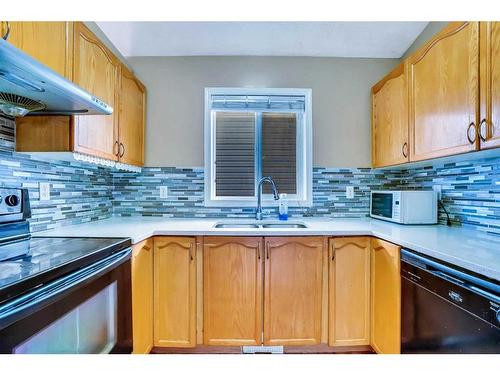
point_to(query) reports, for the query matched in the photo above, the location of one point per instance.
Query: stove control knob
(12, 200)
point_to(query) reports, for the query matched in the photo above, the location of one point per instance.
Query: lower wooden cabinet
(175, 291)
(386, 297)
(349, 291)
(232, 290)
(293, 290)
(142, 297)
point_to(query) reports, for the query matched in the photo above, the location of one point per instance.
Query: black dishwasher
(447, 310)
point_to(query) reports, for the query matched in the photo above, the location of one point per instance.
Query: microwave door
(382, 205)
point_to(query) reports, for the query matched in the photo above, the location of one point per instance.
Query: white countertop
(470, 249)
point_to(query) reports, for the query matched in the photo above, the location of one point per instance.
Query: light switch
(163, 192)
(349, 192)
(44, 191)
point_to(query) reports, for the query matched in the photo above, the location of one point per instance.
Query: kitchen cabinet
(51, 43)
(96, 70)
(132, 119)
(174, 291)
(390, 119)
(444, 93)
(385, 297)
(349, 291)
(142, 297)
(489, 126)
(293, 290)
(233, 269)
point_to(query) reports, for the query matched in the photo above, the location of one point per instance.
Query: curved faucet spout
(258, 213)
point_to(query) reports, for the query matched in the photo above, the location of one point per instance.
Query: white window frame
(303, 198)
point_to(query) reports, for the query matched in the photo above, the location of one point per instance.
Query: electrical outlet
(349, 192)
(163, 192)
(437, 189)
(44, 191)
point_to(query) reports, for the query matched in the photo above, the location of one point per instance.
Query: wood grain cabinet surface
(174, 291)
(349, 317)
(385, 297)
(232, 290)
(489, 125)
(142, 296)
(444, 93)
(51, 43)
(293, 290)
(390, 119)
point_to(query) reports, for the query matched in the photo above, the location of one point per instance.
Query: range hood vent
(28, 87)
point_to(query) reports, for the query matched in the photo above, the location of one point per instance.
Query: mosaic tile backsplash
(83, 192)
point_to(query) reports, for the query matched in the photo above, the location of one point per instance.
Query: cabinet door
(96, 70)
(390, 119)
(142, 297)
(349, 318)
(444, 93)
(232, 290)
(174, 292)
(489, 127)
(293, 290)
(51, 43)
(386, 297)
(132, 119)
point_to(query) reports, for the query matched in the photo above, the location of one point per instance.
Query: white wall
(341, 102)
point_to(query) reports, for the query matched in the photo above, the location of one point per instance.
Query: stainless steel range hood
(29, 87)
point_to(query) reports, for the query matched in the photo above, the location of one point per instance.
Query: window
(252, 133)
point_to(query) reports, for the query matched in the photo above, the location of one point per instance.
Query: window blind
(258, 102)
(235, 154)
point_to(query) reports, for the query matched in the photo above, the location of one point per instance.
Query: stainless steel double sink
(263, 225)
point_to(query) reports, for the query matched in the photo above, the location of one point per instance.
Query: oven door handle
(47, 294)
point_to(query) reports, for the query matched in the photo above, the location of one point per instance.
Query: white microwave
(404, 206)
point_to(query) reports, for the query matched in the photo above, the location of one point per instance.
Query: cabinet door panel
(174, 292)
(386, 297)
(132, 119)
(232, 291)
(490, 85)
(390, 119)
(349, 322)
(97, 71)
(444, 93)
(293, 290)
(142, 297)
(48, 42)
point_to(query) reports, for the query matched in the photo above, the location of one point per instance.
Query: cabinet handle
(122, 147)
(405, 149)
(191, 252)
(258, 251)
(481, 128)
(472, 126)
(117, 145)
(7, 32)
(267, 250)
(333, 253)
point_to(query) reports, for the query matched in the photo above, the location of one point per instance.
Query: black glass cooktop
(49, 258)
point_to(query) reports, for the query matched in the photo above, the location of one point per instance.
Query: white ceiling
(332, 39)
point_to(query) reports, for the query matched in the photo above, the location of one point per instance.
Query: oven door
(87, 311)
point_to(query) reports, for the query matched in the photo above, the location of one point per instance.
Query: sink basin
(285, 225)
(235, 225)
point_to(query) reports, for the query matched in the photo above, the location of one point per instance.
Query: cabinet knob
(471, 133)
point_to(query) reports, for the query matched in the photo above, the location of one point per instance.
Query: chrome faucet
(258, 213)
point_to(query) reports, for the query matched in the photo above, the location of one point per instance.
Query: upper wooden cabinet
(349, 317)
(96, 70)
(390, 119)
(489, 126)
(232, 290)
(132, 118)
(142, 297)
(174, 291)
(385, 297)
(51, 43)
(444, 93)
(293, 290)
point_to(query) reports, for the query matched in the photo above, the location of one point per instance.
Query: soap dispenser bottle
(283, 207)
